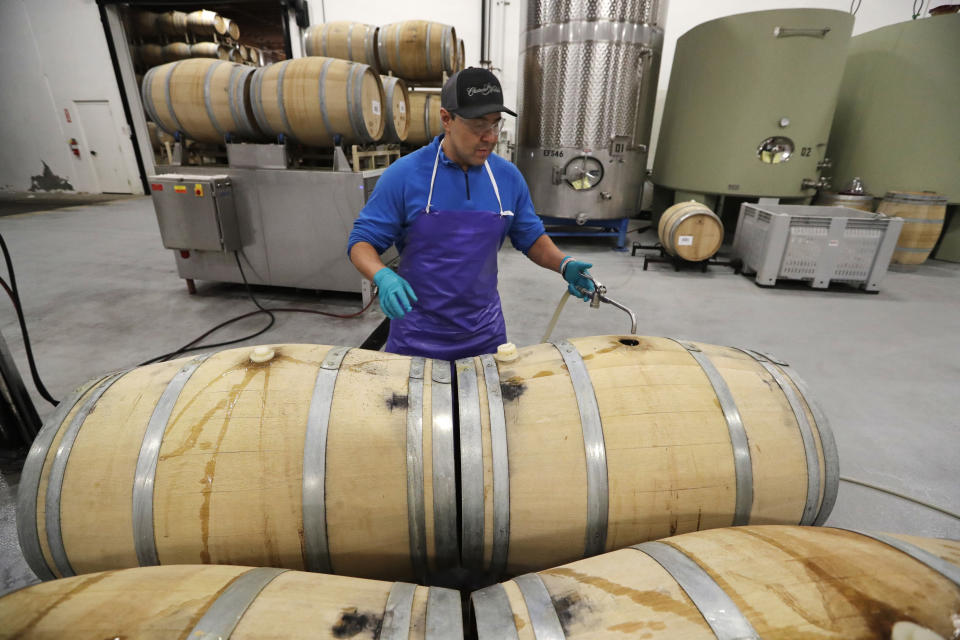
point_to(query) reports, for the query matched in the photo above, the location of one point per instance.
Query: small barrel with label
(691, 231)
(313, 99)
(397, 107)
(923, 215)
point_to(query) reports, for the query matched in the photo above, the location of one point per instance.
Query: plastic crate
(818, 245)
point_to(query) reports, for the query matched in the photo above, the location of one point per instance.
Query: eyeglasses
(481, 127)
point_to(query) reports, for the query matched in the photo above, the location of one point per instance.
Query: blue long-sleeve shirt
(401, 195)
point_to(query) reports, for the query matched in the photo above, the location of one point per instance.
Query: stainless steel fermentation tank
(587, 87)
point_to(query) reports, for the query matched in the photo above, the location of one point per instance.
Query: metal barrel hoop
(743, 466)
(398, 612)
(223, 616)
(29, 489)
(493, 614)
(416, 515)
(947, 569)
(806, 435)
(500, 464)
(316, 547)
(207, 80)
(144, 539)
(543, 615)
(471, 465)
(594, 448)
(717, 608)
(444, 467)
(58, 469)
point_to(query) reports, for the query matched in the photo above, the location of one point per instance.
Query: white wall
(55, 53)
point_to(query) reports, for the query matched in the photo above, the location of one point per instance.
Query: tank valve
(606, 195)
(582, 218)
(259, 355)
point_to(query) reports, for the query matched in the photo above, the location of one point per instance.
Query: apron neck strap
(433, 177)
(496, 191)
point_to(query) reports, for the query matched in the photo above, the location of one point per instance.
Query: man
(448, 207)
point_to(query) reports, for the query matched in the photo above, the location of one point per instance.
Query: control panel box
(196, 212)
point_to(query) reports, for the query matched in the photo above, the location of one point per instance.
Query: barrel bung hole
(630, 342)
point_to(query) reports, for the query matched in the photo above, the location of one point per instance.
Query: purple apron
(450, 260)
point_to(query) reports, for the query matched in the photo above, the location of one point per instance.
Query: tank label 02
(552, 153)
(684, 241)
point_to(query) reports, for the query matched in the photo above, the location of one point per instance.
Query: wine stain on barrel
(397, 401)
(570, 607)
(352, 623)
(512, 389)
(878, 616)
(654, 599)
(81, 584)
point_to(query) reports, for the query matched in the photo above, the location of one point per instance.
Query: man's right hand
(396, 294)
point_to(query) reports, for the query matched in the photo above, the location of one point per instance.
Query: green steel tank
(750, 103)
(897, 123)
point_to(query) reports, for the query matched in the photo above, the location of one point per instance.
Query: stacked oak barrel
(314, 462)
(413, 59)
(156, 38)
(352, 87)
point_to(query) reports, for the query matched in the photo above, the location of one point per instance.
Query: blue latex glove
(573, 273)
(396, 294)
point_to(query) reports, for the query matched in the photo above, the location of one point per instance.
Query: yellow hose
(556, 315)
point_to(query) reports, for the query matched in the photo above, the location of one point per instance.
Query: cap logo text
(485, 90)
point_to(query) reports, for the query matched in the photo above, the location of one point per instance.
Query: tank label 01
(685, 241)
(552, 153)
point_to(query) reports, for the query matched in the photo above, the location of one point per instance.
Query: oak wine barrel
(210, 50)
(863, 202)
(397, 109)
(312, 99)
(740, 582)
(195, 601)
(328, 459)
(346, 40)
(206, 23)
(231, 28)
(923, 215)
(584, 446)
(142, 23)
(207, 100)
(461, 57)
(172, 23)
(424, 122)
(418, 49)
(691, 231)
(148, 55)
(176, 51)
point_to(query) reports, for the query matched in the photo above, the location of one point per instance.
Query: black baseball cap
(473, 92)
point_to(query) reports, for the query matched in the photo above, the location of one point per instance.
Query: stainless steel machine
(588, 77)
(288, 225)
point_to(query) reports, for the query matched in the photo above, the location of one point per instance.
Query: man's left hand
(573, 273)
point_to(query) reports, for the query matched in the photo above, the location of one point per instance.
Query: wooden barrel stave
(226, 485)
(686, 448)
(176, 51)
(923, 216)
(690, 230)
(182, 601)
(778, 582)
(330, 97)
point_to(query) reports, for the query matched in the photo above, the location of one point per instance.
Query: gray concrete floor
(100, 293)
